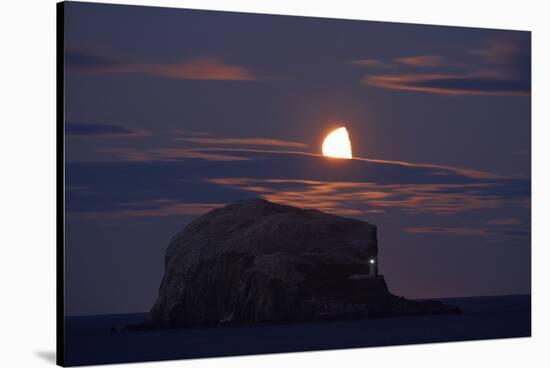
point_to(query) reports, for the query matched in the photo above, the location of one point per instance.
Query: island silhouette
(256, 261)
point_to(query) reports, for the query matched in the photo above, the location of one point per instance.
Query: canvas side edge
(60, 186)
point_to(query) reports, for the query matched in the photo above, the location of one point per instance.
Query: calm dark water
(89, 339)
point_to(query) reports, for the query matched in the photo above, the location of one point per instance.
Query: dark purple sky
(172, 112)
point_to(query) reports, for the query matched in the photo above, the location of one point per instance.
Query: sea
(102, 339)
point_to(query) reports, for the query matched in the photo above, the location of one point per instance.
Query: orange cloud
(371, 63)
(448, 230)
(159, 208)
(445, 169)
(196, 69)
(421, 60)
(504, 221)
(504, 52)
(168, 154)
(512, 229)
(502, 68)
(244, 141)
(221, 154)
(200, 69)
(190, 132)
(355, 198)
(448, 84)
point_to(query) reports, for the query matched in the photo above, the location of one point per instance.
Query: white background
(27, 182)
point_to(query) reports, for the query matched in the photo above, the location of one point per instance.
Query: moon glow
(337, 144)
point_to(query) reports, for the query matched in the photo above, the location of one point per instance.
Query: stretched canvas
(234, 183)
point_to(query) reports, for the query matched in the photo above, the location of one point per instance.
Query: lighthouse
(373, 267)
(372, 256)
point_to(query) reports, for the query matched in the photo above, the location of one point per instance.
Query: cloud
(200, 69)
(244, 141)
(448, 84)
(447, 230)
(499, 227)
(190, 132)
(440, 170)
(76, 59)
(104, 130)
(168, 154)
(500, 68)
(371, 63)
(511, 54)
(516, 231)
(351, 187)
(437, 169)
(216, 153)
(196, 69)
(504, 221)
(244, 154)
(414, 61)
(149, 208)
(356, 198)
(421, 60)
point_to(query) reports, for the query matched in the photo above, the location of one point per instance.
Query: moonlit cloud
(449, 84)
(500, 68)
(363, 197)
(167, 154)
(421, 60)
(165, 182)
(515, 231)
(437, 169)
(192, 133)
(363, 187)
(200, 69)
(104, 130)
(496, 228)
(414, 61)
(194, 69)
(148, 208)
(243, 154)
(441, 170)
(244, 141)
(512, 53)
(504, 221)
(79, 60)
(371, 63)
(447, 230)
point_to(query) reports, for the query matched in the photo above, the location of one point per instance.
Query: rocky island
(255, 261)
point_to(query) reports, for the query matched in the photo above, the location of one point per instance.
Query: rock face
(256, 261)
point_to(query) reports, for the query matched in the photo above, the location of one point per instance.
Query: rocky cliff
(256, 261)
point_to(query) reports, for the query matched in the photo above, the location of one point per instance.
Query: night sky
(171, 112)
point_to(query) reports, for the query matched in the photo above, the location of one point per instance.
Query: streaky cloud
(132, 186)
(243, 141)
(443, 169)
(371, 63)
(160, 207)
(421, 60)
(193, 69)
(356, 198)
(504, 221)
(168, 154)
(453, 230)
(501, 68)
(514, 231)
(103, 130)
(232, 154)
(448, 84)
